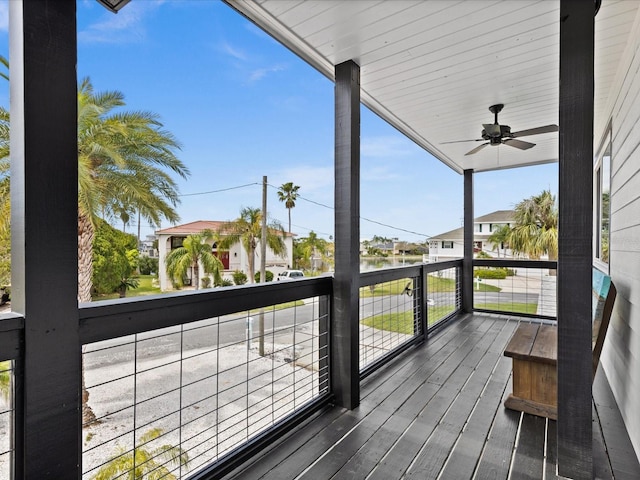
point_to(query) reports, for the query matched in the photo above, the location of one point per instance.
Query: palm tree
(247, 229)
(536, 227)
(144, 463)
(288, 193)
(313, 245)
(124, 159)
(195, 251)
(499, 237)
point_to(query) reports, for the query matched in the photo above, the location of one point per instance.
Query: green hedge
(492, 273)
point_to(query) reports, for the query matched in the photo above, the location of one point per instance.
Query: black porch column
(467, 261)
(345, 371)
(575, 232)
(44, 228)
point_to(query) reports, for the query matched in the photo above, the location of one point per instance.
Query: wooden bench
(534, 349)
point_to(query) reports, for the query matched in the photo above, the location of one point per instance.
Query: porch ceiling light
(113, 5)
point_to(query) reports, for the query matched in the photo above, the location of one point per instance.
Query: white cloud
(385, 146)
(124, 27)
(260, 73)
(232, 51)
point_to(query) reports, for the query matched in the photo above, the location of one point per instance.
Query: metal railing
(519, 287)
(11, 437)
(206, 385)
(399, 306)
(444, 291)
(7, 410)
(217, 374)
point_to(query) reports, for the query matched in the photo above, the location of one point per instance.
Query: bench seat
(534, 350)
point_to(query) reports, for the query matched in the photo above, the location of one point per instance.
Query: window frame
(602, 163)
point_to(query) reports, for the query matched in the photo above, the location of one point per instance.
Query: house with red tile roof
(236, 258)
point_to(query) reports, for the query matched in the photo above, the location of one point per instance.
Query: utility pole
(263, 260)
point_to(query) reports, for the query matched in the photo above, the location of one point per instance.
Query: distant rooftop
(499, 216)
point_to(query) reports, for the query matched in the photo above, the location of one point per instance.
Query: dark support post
(44, 208)
(575, 229)
(345, 370)
(467, 260)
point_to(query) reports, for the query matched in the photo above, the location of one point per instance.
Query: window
(176, 242)
(478, 227)
(602, 190)
(447, 244)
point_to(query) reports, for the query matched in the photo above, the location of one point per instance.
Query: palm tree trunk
(196, 275)
(85, 272)
(252, 258)
(289, 210)
(85, 257)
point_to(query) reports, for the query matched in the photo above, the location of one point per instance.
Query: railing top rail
(511, 262)
(104, 320)
(11, 321)
(435, 266)
(388, 274)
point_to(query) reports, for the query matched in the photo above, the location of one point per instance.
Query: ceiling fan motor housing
(496, 133)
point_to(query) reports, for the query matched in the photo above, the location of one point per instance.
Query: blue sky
(243, 106)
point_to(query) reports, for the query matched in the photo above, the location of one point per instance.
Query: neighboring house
(236, 258)
(146, 247)
(449, 245)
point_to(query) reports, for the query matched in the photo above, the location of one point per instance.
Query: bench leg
(535, 389)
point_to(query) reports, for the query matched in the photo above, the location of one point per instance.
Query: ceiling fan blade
(518, 144)
(535, 131)
(492, 129)
(477, 149)
(462, 141)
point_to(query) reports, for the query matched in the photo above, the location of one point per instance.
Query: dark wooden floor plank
(439, 446)
(330, 465)
(437, 411)
(624, 461)
(601, 464)
(464, 457)
(307, 453)
(528, 461)
(495, 459)
(551, 453)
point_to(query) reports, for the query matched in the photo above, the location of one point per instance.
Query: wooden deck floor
(436, 413)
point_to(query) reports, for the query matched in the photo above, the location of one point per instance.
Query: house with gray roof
(449, 245)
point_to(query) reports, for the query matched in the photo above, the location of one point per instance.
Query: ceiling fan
(496, 134)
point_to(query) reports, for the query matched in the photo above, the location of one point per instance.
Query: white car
(290, 275)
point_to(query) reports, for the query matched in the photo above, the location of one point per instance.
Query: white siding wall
(621, 355)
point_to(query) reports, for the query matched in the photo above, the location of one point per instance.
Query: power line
(301, 197)
(218, 191)
(361, 218)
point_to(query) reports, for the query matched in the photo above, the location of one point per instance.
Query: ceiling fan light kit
(496, 134)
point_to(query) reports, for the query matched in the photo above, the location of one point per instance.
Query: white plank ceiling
(432, 68)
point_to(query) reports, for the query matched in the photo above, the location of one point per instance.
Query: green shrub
(239, 278)
(147, 265)
(225, 282)
(490, 273)
(268, 274)
(205, 282)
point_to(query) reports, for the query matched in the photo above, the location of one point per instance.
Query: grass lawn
(402, 322)
(434, 285)
(509, 307)
(146, 287)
